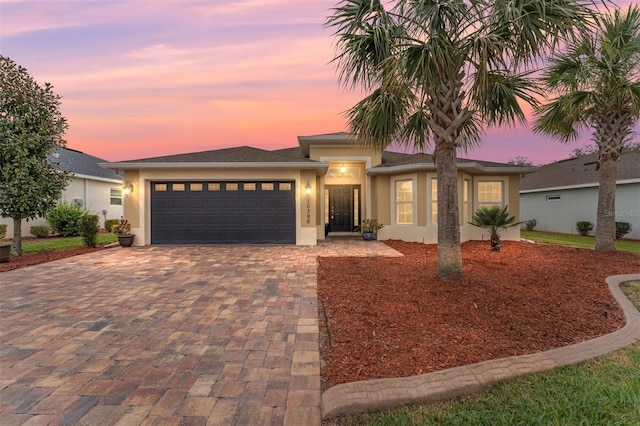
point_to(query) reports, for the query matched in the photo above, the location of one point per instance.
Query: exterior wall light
(127, 188)
(307, 188)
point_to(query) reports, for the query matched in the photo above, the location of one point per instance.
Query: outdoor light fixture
(343, 169)
(307, 188)
(127, 188)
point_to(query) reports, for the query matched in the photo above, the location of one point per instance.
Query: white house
(565, 192)
(92, 187)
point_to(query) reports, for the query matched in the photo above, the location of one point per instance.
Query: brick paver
(166, 336)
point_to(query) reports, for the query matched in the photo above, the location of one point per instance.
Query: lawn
(47, 244)
(632, 246)
(602, 391)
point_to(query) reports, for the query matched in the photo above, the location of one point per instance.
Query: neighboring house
(563, 193)
(290, 196)
(92, 187)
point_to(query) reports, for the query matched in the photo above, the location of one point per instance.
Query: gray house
(92, 187)
(561, 193)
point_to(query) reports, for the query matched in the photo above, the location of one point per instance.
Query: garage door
(223, 213)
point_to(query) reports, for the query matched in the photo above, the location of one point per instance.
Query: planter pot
(5, 252)
(126, 240)
(368, 235)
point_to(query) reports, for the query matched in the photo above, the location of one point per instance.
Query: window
(249, 186)
(466, 195)
(213, 187)
(266, 186)
(177, 187)
(195, 187)
(434, 201)
(231, 186)
(404, 202)
(356, 207)
(284, 186)
(490, 193)
(116, 196)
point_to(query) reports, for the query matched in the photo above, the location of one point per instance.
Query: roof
(580, 171)
(79, 163)
(242, 154)
(238, 157)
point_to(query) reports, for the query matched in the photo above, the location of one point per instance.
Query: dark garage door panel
(223, 217)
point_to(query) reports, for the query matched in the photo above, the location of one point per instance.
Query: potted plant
(123, 229)
(370, 229)
(5, 247)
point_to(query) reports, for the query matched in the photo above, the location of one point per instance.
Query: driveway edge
(359, 397)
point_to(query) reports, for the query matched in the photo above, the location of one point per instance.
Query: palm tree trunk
(449, 252)
(606, 220)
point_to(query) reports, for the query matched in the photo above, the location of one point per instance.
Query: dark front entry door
(341, 208)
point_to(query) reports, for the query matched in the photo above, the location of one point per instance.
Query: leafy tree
(494, 219)
(438, 72)
(31, 128)
(520, 161)
(598, 82)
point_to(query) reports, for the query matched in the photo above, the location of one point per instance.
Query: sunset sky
(143, 78)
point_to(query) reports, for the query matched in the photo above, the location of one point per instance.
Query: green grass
(48, 244)
(577, 240)
(602, 391)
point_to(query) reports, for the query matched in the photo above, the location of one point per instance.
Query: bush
(40, 231)
(108, 224)
(64, 218)
(531, 224)
(88, 226)
(622, 229)
(3, 230)
(584, 227)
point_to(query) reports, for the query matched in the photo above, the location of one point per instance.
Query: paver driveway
(166, 336)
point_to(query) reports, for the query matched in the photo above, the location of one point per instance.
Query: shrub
(108, 224)
(3, 230)
(40, 231)
(622, 229)
(64, 218)
(88, 226)
(584, 227)
(531, 224)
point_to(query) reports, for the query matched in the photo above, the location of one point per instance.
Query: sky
(146, 78)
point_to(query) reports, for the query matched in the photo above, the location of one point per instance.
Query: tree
(438, 73)
(520, 161)
(494, 219)
(597, 81)
(31, 128)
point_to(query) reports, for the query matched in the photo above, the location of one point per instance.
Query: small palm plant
(494, 219)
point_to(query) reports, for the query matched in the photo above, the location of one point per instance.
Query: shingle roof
(80, 163)
(243, 154)
(579, 171)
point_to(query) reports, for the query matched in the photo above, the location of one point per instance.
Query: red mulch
(16, 262)
(392, 317)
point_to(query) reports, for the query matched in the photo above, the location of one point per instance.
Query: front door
(343, 207)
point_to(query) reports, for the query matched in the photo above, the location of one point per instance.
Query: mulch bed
(393, 317)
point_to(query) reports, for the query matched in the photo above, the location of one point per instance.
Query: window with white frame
(490, 193)
(116, 197)
(434, 201)
(404, 202)
(466, 203)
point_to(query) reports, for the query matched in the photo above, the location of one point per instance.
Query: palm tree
(441, 70)
(494, 219)
(597, 81)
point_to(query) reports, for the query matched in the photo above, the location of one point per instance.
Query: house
(92, 187)
(562, 193)
(291, 196)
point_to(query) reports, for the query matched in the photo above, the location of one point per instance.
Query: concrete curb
(359, 397)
